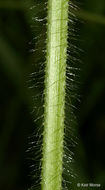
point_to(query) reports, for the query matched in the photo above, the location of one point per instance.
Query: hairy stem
(54, 94)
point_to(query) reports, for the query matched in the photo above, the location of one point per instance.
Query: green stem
(55, 94)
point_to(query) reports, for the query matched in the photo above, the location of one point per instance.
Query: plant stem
(55, 77)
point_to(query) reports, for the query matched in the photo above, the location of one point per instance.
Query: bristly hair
(36, 81)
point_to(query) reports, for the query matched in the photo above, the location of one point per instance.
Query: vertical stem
(54, 94)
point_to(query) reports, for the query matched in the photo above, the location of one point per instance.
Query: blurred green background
(18, 39)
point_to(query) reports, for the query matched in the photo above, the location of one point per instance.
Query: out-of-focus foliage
(91, 155)
(15, 103)
(16, 122)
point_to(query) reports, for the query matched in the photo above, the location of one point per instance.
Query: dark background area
(18, 34)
